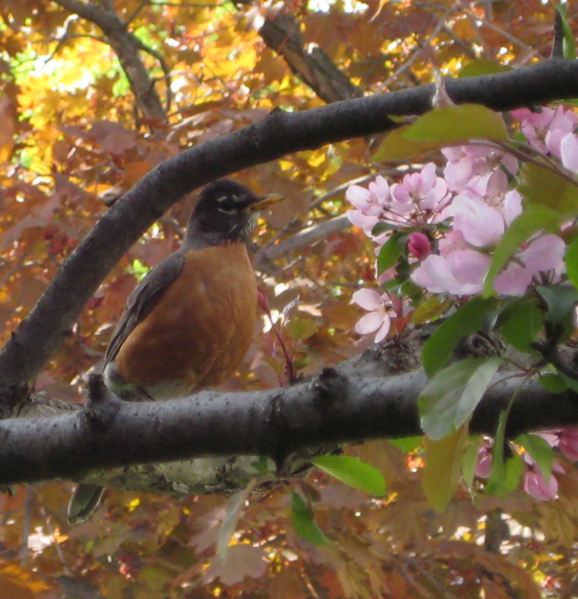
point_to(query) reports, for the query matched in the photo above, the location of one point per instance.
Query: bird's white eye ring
(228, 204)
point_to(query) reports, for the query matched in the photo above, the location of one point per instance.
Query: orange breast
(199, 330)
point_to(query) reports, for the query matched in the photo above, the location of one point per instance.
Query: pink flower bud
(419, 245)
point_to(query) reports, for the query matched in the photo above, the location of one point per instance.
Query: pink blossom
(369, 202)
(513, 281)
(378, 318)
(481, 224)
(423, 190)
(459, 270)
(459, 273)
(544, 254)
(543, 129)
(569, 151)
(417, 201)
(568, 442)
(419, 245)
(507, 203)
(357, 218)
(484, 465)
(534, 483)
(468, 166)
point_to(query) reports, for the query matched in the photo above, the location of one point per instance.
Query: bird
(190, 321)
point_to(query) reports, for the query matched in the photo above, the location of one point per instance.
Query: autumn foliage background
(77, 132)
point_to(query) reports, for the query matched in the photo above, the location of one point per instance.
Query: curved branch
(279, 134)
(126, 47)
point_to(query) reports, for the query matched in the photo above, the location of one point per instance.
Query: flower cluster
(453, 223)
(534, 481)
(445, 230)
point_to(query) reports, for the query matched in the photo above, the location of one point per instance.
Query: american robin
(190, 321)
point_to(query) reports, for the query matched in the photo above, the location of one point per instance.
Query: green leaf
(571, 383)
(483, 66)
(443, 467)
(303, 521)
(470, 461)
(353, 472)
(451, 125)
(560, 300)
(533, 219)
(571, 260)
(568, 44)
(389, 254)
(506, 475)
(450, 399)
(540, 451)
(263, 465)
(541, 186)
(521, 322)
(407, 444)
(429, 310)
(468, 319)
(555, 383)
(301, 328)
(382, 227)
(396, 147)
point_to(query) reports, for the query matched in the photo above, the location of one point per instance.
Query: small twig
(166, 71)
(417, 52)
(136, 12)
(531, 51)
(289, 367)
(26, 525)
(55, 542)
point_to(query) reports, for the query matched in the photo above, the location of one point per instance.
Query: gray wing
(143, 299)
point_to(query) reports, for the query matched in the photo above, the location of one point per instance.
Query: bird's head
(226, 212)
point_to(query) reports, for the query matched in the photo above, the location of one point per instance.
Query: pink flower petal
(383, 330)
(361, 220)
(358, 196)
(544, 253)
(513, 281)
(368, 299)
(481, 224)
(468, 266)
(370, 322)
(568, 443)
(569, 151)
(535, 485)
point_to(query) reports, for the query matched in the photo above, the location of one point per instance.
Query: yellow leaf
(443, 467)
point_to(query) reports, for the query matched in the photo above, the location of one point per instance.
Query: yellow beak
(265, 201)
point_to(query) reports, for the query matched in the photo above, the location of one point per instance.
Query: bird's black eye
(228, 204)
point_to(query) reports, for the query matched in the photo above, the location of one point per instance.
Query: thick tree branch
(309, 62)
(333, 408)
(275, 136)
(126, 47)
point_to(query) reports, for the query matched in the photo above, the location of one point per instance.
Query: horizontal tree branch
(333, 408)
(279, 134)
